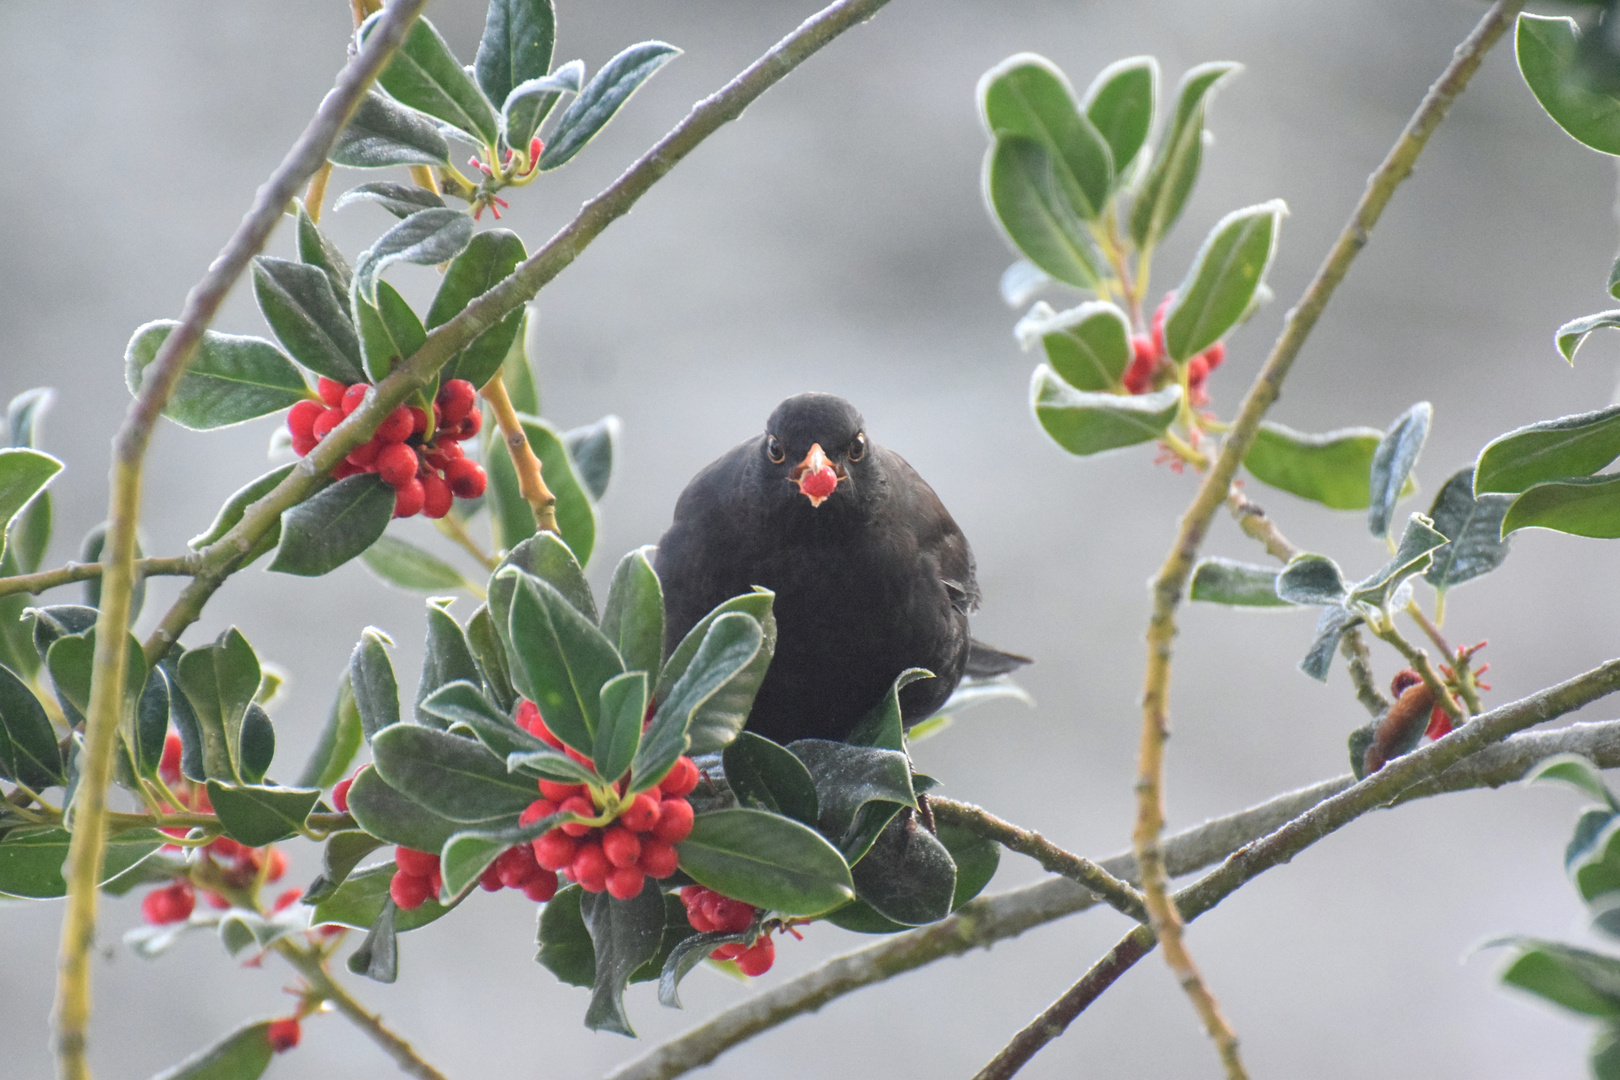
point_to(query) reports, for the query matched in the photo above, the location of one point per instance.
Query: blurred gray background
(835, 239)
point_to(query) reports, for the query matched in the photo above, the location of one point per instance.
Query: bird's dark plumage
(871, 575)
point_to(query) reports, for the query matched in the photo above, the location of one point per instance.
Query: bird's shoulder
(913, 506)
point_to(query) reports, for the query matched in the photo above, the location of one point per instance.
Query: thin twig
(983, 922)
(72, 1011)
(450, 525)
(1359, 663)
(178, 566)
(1418, 660)
(530, 483)
(1082, 871)
(1170, 584)
(221, 558)
(312, 967)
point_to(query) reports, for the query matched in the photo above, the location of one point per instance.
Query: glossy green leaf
(425, 238)
(688, 954)
(767, 776)
(392, 817)
(1026, 96)
(766, 860)
(1570, 446)
(401, 200)
(1022, 187)
(1596, 872)
(461, 704)
(532, 100)
(425, 75)
(31, 858)
(446, 658)
(1547, 52)
(219, 682)
(510, 518)
(317, 249)
(490, 654)
(1576, 771)
(1330, 628)
(360, 900)
(151, 726)
(1392, 464)
(340, 854)
(1088, 346)
(756, 603)
(618, 728)
(576, 516)
(23, 415)
(333, 526)
(16, 635)
(625, 934)
(383, 133)
(256, 815)
(1572, 335)
(633, 618)
(1578, 979)
(549, 764)
(976, 859)
(23, 475)
(236, 506)
(1331, 468)
(565, 943)
(28, 749)
(1221, 283)
(230, 379)
(546, 557)
(467, 854)
(454, 777)
(1413, 555)
(340, 740)
(883, 727)
(709, 703)
(1588, 837)
(1589, 506)
(560, 660)
(372, 682)
(244, 1054)
(1119, 103)
(518, 374)
(389, 332)
(1163, 194)
(258, 744)
(1086, 423)
(907, 876)
(489, 257)
(378, 955)
(402, 563)
(858, 788)
(591, 450)
(519, 36)
(59, 620)
(1474, 527)
(603, 96)
(1604, 1058)
(301, 305)
(1226, 581)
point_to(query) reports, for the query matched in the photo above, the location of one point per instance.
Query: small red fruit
(621, 846)
(344, 470)
(409, 891)
(331, 391)
(340, 795)
(397, 428)
(469, 426)
(354, 396)
(674, 821)
(325, 422)
(490, 879)
(169, 905)
(169, 764)
(682, 777)
(1214, 355)
(559, 792)
(436, 496)
(536, 810)
(541, 888)
(364, 456)
(728, 952)
(466, 477)
(577, 804)
(287, 899)
(419, 863)
(455, 400)
(590, 868)
(658, 859)
(625, 882)
(418, 420)
(408, 498)
(758, 958)
(640, 815)
(283, 1034)
(397, 464)
(555, 850)
(302, 416)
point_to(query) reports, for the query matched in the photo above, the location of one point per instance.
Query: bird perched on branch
(871, 574)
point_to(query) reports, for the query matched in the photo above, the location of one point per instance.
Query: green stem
(1384, 630)
(220, 559)
(77, 571)
(85, 852)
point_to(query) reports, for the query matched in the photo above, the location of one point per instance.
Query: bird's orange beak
(816, 475)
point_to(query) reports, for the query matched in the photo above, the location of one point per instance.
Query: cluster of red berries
(239, 867)
(1151, 367)
(711, 913)
(425, 471)
(619, 856)
(417, 877)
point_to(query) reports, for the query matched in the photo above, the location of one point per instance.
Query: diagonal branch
(118, 561)
(1170, 585)
(221, 558)
(1434, 770)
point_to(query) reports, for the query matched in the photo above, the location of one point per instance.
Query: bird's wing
(938, 536)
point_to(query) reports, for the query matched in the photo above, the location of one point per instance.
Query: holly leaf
(230, 379)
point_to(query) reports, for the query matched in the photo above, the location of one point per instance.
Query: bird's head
(817, 444)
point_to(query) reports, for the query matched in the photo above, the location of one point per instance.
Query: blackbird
(871, 575)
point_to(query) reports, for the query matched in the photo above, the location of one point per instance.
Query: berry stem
(530, 482)
(315, 194)
(1418, 660)
(451, 526)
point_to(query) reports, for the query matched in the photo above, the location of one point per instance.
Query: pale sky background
(835, 239)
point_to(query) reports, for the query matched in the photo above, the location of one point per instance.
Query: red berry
(325, 422)
(466, 477)
(536, 810)
(287, 899)
(396, 428)
(641, 814)
(1439, 724)
(455, 400)
(302, 416)
(443, 453)
(1158, 320)
(577, 804)
(758, 958)
(216, 901)
(625, 882)
(331, 391)
(344, 470)
(559, 792)
(418, 420)
(728, 952)
(419, 863)
(658, 859)
(408, 498)
(354, 396)
(223, 847)
(621, 846)
(436, 496)
(397, 464)
(283, 1034)
(1138, 377)
(169, 765)
(541, 888)
(490, 879)
(682, 777)
(1214, 355)
(469, 426)
(303, 444)
(364, 456)
(1197, 370)
(278, 865)
(340, 794)
(732, 916)
(674, 821)
(555, 850)
(516, 866)
(169, 905)
(409, 891)
(590, 867)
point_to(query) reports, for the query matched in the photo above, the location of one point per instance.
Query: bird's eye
(857, 447)
(773, 449)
